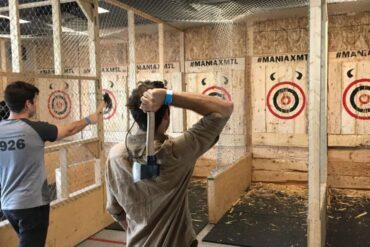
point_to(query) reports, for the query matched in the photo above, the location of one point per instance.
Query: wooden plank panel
(272, 122)
(225, 188)
(279, 165)
(116, 85)
(219, 80)
(259, 98)
(203, 167)
(177, 114)
(334, 97)
(353, 155)
(363, 71)
(81, 175)
(74, 229)
(348, 122)
(193, 82)
(280, 152)
(349, 169)
(278, 176)
(285, 73)
(51, 164)
(348, 140)
(236, 85)
(349, 182)
(300, 126)
(279, 139)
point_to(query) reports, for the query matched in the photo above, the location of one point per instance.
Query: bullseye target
(217, 92)
(356, 99)
(286, 100)
(59, 104)
(109, 112)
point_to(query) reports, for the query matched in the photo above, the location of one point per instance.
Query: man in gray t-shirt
(25, 195)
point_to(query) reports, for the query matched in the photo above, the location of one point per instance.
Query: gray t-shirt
(157, 210)
(22, 171)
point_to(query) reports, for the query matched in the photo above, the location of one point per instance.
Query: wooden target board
(172, 77)
(114, 85)
(279, 100)
(223, 78)
(58, 100)
(348, 97)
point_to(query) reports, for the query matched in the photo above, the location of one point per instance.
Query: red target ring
(356, 99)
(59, 104)
(109, 113)
(218, 92)
(289, 99)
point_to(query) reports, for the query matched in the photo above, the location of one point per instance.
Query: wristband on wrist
(88, 120)
(169, 97)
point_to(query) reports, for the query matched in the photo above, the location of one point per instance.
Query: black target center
(353, 95)
(59, 104)
(283, 91)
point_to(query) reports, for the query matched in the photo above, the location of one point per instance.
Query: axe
(108, 101)
(151, 168)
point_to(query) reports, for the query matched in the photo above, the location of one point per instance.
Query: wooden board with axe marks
(224, 78)
(279, 100)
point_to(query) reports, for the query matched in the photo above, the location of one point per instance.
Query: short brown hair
(134, 103)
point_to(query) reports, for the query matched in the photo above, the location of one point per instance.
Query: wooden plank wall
(228, 44)
(279, 138)
(225, 188)
(74, 229)
(349, 134)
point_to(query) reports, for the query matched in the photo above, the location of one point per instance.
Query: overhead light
(21, 21)
(102, 11)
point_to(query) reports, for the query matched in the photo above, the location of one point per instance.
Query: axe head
(108, 101)
(145, 171)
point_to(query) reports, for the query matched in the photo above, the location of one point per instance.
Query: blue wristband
(169, 97)
(88, 120)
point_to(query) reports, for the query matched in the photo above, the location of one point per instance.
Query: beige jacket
(157, 209)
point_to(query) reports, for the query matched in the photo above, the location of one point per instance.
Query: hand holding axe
(151, 168)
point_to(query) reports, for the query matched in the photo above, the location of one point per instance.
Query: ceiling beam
(86, 7)
(127, 7)
(34, 5)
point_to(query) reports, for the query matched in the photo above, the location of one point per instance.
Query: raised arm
(153, 99)
(76, 126)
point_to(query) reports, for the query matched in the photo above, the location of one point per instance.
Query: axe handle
(150, 134)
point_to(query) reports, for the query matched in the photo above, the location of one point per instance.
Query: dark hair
(134, 103)
(4, 111)
(17, 93)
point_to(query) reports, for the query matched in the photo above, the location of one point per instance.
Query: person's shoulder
(216, 116)
(35, 122)
(118, 150)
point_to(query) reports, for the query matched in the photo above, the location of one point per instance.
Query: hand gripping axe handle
(151, 168)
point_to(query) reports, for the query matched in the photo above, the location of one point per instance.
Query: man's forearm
(202, 104)
(77, 126)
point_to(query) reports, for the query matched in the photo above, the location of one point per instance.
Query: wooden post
(161, 50)
(248, 86)
(181, 115)
(4, 65)
(15, 36)
(131, 59)
(324, 93)
(57, 37)
(61, 175)
(317, 128)
(323, 120)
(95, 68)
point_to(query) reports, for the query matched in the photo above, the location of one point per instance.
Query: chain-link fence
(66, 83)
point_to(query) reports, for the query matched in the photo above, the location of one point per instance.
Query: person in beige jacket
(155, 211)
